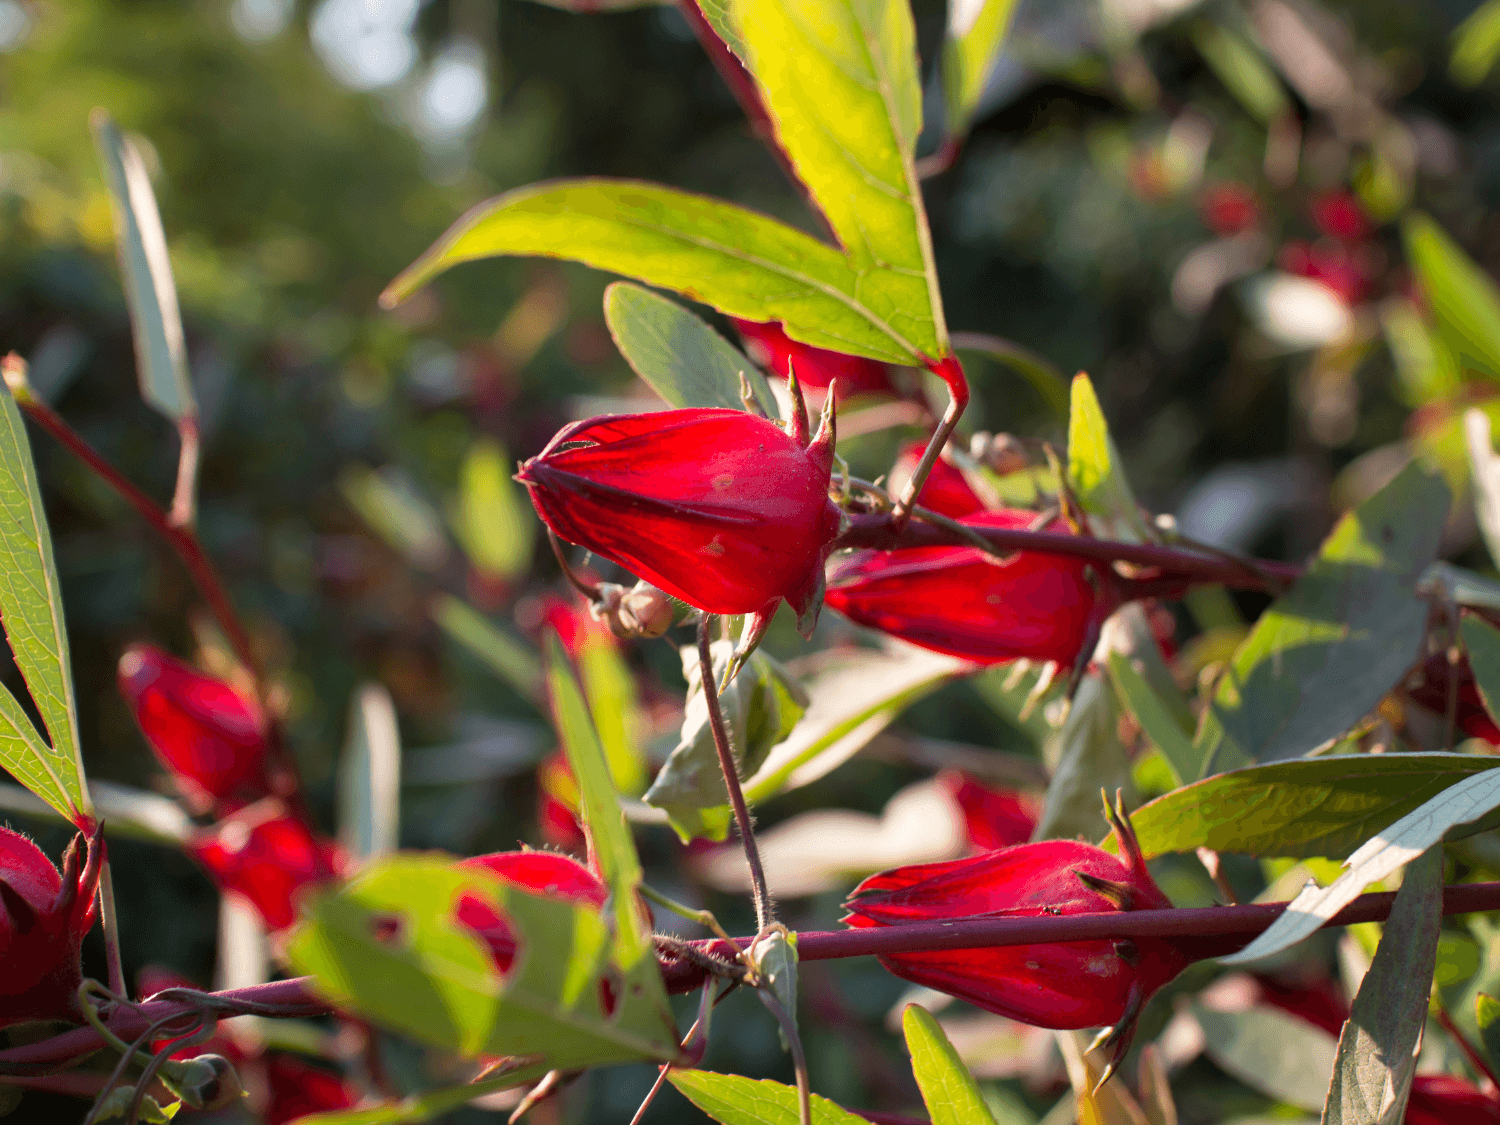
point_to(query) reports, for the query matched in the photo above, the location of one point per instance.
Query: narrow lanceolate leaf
(1483, 642)
(948, 1089)
(1094, 463)
(391, 503)
(1462, 297)
(1085, 755)
(1275, 1052)
(388, 946)
(976, 30)
(1328, 650)
(370, 775)
(614, 703)
(732, 1099)
(1476, 44)
(737, 260)
(495, 522)
(1402, 842)
(1484, 468)
(1376, 1059)
(156, 324)
(32, 614)
(511, 659)
(840, 81)
(1323, 807)
(683, 359)
(1156, 719)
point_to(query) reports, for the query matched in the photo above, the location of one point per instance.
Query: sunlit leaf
(719, 17)
(1321, 807)
(370, 775)
(615, 705)
(1275, 1052)
(1377, 1049)
(739, 261)
(509, 658)
(1094, 463)
(495, 521)
(948, 1089)
(394, 508)
(683, 359)
(1487, 1016)
(1476, 44)
(32, 612)
(1484, 468)
(976, 31)
(128, 811)
(388, 947)
(1424, 365)
(156, 324)
(839, 79)
(1330, 648)
(732, 1099)
(1243, 70)
(1463, 298)
(1413, 834)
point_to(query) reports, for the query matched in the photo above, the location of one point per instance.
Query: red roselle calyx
(200, 728)
(44, 916)
(1101, 983)
(543, 872)
(962, 602)
(719, 508)
(947, 491)
(268, 857)
(774, 350)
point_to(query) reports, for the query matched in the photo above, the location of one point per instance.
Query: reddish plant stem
(1476, 1059)
(1178, 568)
(182, 539)
(951, 372)
(1233, 926)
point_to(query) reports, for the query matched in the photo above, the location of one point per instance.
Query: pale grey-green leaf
(1085, 754)
(1279, 1054)
(370, 775)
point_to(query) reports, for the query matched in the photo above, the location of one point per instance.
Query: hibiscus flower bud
(962, 602)
(267, 857)
(774, 350)
(44, 916)
(200, 728)
(1102, 983)
(718, 508)
(993, 818)
(947, 491)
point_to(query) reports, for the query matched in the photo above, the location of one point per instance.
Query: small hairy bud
(206, 1082)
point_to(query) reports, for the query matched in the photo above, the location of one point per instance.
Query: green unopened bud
(203, 1082)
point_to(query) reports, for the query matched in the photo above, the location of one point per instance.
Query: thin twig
(184, 513)
(764, 914)
(952, 374)
(794, 1045)
(587, 589)
(109, 916)
(1476, 1059)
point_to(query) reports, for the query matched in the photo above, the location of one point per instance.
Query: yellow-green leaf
(949, 1090)
(495, 521)
(976, 30)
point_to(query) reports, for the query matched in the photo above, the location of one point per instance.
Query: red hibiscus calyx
(1102, 983)
(268, 856)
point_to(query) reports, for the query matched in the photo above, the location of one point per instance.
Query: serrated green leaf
(1462, 803)
(680, 357)
(370, 775)
(760, 708)
(1275, 1052)
(512, 660)
(32, 613)
(732, 1099)
(1094, 463)
(1376, 1057)
(388, 947)
(976, 31)
(1483, 643)
(1328, 650)
(1487, 1016)
(394, 508)
(1476, 44)
(495, 522)
(1463, 298)
(146, 269)
(948, 1089)
(740, 262)
(839, 80)
(1321, 807)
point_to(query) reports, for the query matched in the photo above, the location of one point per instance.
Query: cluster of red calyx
(1343, 259)
(213, 743)
(1102, 983)
(774, 350)
(44, 916)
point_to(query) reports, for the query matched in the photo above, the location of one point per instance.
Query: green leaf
(156, 324)
(495, 520)
(839, 79)
(976, 31)
(609, 687)
(32, 613)
(1094, 463)
(853, 698)
(948, 1089)
(1476, 45)
(1462, 296)
(370, 775)
(1085, 754)
(680, 357)
(1376, 1058)
(760, 709)
(1275, 1052)
(388, 947)
(1484, 473)
(719, 17)
(1487, 1016)
(739, 261)
(613, 847)
(1328, 650)
(1320, 807)
(1424, 365)
(732, 1099)
(1459, 586)
(1242, 69)
(1161, 727)
(128, 812)
(394, 508)
(1483, 642)
(775, 959)
(512, 660)
(1409, 837)
(431, 1103)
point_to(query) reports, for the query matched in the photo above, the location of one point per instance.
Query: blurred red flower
(774, 350)
(993, 818)
(267, 860)
(1229, 208)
